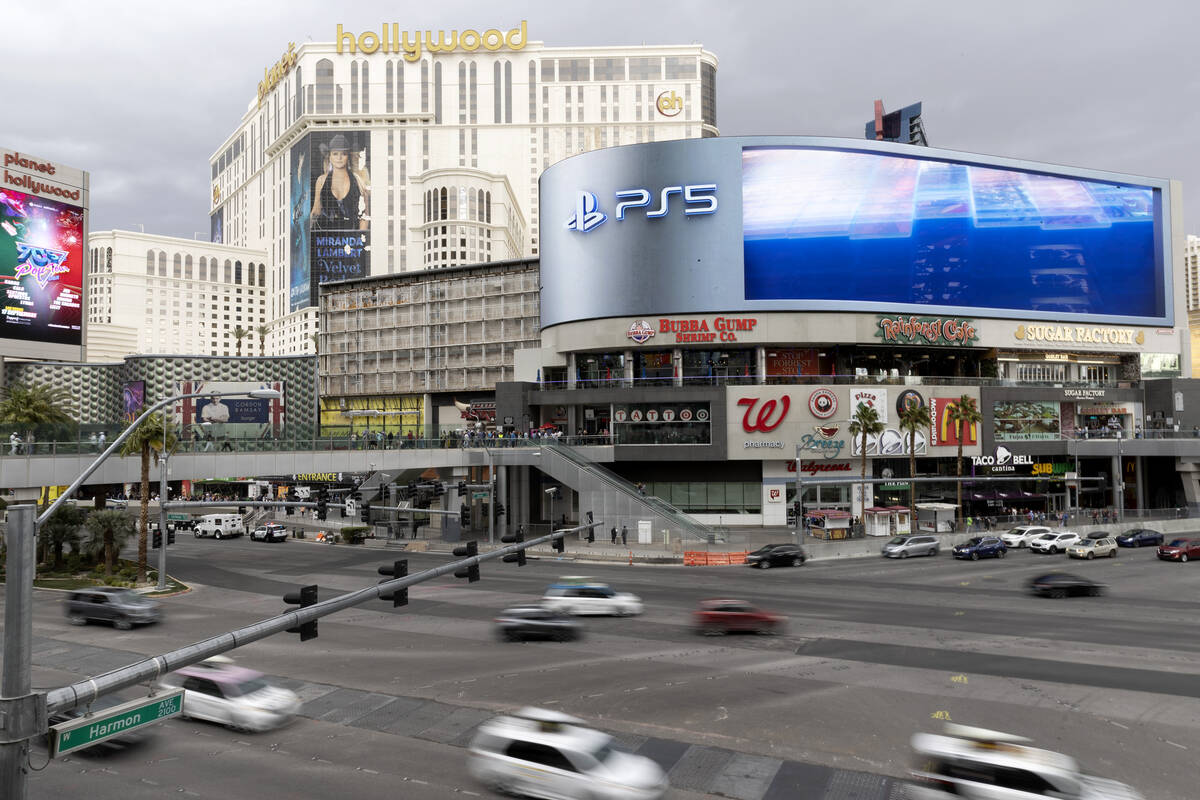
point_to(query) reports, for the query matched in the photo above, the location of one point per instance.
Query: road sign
(67, 737)
(172, 517)
(480, 495)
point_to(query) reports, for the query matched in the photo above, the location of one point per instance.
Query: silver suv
(124, 608)
(905, 546)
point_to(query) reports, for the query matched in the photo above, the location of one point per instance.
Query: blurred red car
(1180, 550)
(735, 616)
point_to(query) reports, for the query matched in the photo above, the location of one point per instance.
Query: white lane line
(1180, 746)
(1119, 725)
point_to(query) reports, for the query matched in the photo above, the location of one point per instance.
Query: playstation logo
(588, 215)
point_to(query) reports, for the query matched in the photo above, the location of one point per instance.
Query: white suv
(548, 754)
(1022, 536)
(590, 598)
(985, 765)
(1053, 542)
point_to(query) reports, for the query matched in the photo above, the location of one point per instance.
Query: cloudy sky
(142, 93)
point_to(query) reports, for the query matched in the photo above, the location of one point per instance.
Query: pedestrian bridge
(579, 468)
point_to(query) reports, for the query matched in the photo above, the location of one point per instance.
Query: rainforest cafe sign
(940, 331)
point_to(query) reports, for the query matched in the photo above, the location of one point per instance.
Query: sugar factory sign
(937, 331)
(1079, 334)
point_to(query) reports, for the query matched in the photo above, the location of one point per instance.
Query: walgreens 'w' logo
(762, 419)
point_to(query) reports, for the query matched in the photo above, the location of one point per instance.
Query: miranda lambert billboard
(330, 212)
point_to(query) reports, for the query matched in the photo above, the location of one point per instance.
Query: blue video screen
(845, 227)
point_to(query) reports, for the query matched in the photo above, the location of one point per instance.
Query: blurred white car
(978, 764)
(548, 754)
(1054, 542)
(242, 699)
(1021, 536)
(591, 598)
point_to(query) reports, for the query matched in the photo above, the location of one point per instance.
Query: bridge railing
(25, 449)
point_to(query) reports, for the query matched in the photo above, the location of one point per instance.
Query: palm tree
(913, 419)
(262, 331)
(240, 333)
(864, 423)
(107, 531)
(316, 340)
(964, 413)
(147, 439)
(32, 405)
(62, 529)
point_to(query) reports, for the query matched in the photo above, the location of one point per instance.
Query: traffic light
(241, 511)
(462, 488)
(307, 596)
(439, 489)
(157, 539)
(499, 510)
(471, 573)
(414, 526)
(322, 503)
(464, 516)
(590, 518)
(291, 498)
(558, 544)
(366, 512)
(518, 557)
(398, 569)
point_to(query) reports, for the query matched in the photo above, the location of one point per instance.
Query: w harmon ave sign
(67, 737)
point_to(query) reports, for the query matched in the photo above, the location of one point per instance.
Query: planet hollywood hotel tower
(391, 150)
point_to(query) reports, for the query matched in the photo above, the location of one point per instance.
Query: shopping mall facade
(717, 309)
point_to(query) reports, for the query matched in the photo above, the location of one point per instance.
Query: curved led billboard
(795, 224)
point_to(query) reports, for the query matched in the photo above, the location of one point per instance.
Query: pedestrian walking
(591, 537)
(624, 535)
(613, 534)
(15, 443)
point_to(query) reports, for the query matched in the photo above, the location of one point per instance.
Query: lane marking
(1180, 746)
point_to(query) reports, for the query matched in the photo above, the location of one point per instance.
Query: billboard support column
(677, 364)
(760, 368)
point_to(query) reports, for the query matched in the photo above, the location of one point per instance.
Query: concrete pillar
(677, 366)
(629, 376)
(1140, 463)
(1117, 481)
(571, 371)
(760, 360)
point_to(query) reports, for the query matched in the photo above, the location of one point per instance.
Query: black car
(1139, 537)
(1060, 584)
(777, 555)
(536, 622)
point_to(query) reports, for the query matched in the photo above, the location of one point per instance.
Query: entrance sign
(67, 737)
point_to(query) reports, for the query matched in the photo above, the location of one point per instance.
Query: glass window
(149, 262)
(187, 267)
(324, 86)
(437, 92)
(645, 69)
(708, 94)
(162, 264)
(574, 69)
(547, 70)
(608, 69)
(681, 68)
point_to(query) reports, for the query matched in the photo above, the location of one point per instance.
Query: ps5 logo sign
(698, 199)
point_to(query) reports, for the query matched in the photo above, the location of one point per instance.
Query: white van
(219, 526)
(548, 754)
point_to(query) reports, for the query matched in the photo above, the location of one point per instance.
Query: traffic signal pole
(22, 714)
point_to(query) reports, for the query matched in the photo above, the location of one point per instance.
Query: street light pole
(491, 495)
(164, 537)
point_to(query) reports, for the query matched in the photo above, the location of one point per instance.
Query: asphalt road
(875, 650)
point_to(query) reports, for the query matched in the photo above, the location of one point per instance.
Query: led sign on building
(852, 226)
(41, 252)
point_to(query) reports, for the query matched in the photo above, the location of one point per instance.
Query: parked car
(1180, 550)
(977, 764)
(590, 598)
(777, 555)
(124, 608)
(1054, 542)
(1097, 535)
(1091, 548)
(1021, 536)
(735, 616)
(271, 532)
(539, 753)
(1061, 584)
(905, 546)
(980, 547)
(1139, 537)
(536, 622)
(234, 696)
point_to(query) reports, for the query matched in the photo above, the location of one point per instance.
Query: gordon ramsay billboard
(758, 224)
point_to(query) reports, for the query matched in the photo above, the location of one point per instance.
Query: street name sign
(76, 734)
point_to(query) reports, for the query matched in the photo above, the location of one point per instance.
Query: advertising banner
(844, 226)
(330, 204)
(133, 399)
(943, 430)
(871, 398)
(220, 419)
(784, 362)
(216, 226)
(1024, 421)
(41, 269)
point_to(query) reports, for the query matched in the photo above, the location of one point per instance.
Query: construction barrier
(702, 558)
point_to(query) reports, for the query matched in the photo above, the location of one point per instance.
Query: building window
(425, 86)
(366, 87)
(645, 69)
(325, 86)
(708, 94)
(149, 262)
(437, 92)
(681, 68)
(354, 87)
(187, 267)
(162, 264)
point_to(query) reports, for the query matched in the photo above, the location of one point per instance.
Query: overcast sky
(142, 93)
